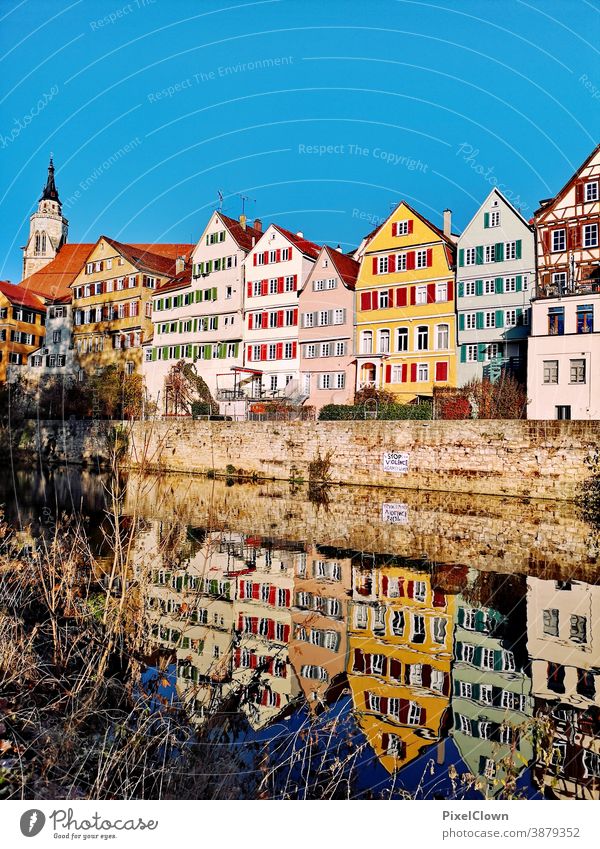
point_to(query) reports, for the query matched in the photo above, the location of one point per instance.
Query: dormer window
(591, 191)
(402, 228)
(325, 262)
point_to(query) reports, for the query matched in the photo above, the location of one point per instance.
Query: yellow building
(111, 301)
(400, 651)
(22, 326)
(406, 332)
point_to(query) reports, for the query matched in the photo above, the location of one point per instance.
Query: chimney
(447, 222)
(338, 248)
(179, 264)
(243, 220)
(258, 225)
(300, 234)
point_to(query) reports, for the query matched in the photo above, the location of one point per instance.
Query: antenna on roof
(244, 198)
(220, 193)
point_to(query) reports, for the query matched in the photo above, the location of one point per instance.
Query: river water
(362, 642)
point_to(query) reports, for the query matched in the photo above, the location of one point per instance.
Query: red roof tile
(54, 280)
(245, 238)
(172, 251)
(346, 266)
(180, 281)
(144, 259)
(16, 294)
(307, 247)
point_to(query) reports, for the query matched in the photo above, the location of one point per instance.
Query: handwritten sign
(395, 461)
(394, 514)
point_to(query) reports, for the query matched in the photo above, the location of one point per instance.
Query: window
(490, 253)
(402, 339)
(485, 694)
(469, 288)
(310, 351)
(402, 228)
(418, 628)
(421, 295)
(422, 338)
(384, 341)
(483, 729)
(577, 371)
(470, 256)
(559, 240)
(487, 658)
(400, 262)
(257, 288)
(559, 280)
(468, 652)
(439, 630)
(414, 714)
(382, 265)
(366, 342)
(469, 619)
(308, 319)
(465, 725)
(578, 632)
(556, 321)
(563, 411)
(441, 292)
(510, 250)
(323, 318)
(422, 372)
(471, 322)
(325, 381)
(442, 337)
(550, 619)
(489, 319)
(489, 287)
(585, 318)
(590, 236)
(508, 661)
(419, 590)
(384, 299)
(489, 768)
(340, 349)
(550, 368)
(465, 689)
(510, 284)
(397, 623)
(591, 192)
(421, 259)
(340, 380)
(338, 316)
(495, 218)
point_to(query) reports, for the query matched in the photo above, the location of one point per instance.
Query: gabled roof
(450, 242)
(549, 202)
(307, 247)
(246, 238)
(142, 258)
(53, 280)
(172, 251)
(180, 281)
(345, 265)
(16, 294)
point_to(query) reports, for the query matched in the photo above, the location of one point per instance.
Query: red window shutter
(271, 629)
(400, 587)
(431, 293)
(365, 300)
(264, 287)
(249, 353)
(385, 742)
(295, 282)
(578, 192)
(395, 669)
(426, 675)
(250, 318)
(413, 372)
(256, 591)
(388, 374)
(575, 233)
(546, 241)
(391, 263)
(401, 296)
(404, 376)
(279, 285)
(383, 704)
(410, 586)
(294, 349)
(272, 595)
(279, 351)
(375, 265)
(439, 598)
(446, 684)
(375, 300)
(394, 228)
(279, 318)
(263, 352)
(286, 633)
(403, 711)
(450, 290)
(240, 622)
(265, 320)
(287, 598)
(410, 225)
(255, 259)
(391, 298)
(278, 255)
(423, 717)
(295, 318)
(413, 295)
(384, 578)
(410, 260)
(441, 371)
(429, 257)
(249, 288)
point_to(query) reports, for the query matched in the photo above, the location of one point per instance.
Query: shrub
(385, 412)
(201, 408)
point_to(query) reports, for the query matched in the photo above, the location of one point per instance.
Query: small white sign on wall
(395, 461)
(394, 514)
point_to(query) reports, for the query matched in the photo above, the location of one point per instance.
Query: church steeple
(50, 191)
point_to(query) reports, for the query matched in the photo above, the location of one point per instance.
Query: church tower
(48, 229)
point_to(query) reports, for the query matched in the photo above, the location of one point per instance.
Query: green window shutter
(481, 352)
(479, 287)
(463, 353)
(498, 661)
(461, 321)
(479, 620)
(222, 351)
(209, 266)
(461, 619)
(461, 257)
(214, 294)
(499, 285)
(477, 656)
(195, 325)
(216, 320)
(479, 255)
(499, 318)
(208, 352)
(198, 295)
(165, 355)
(518, 249)
(179, 583)
(180, 326)
(459, 649)
(519, 316)
(201, 267)
(479, 321)
(519, 283)
(461, 290)
(177, 351)
(486, 219)
(499, 252)
(154, 352)
(159, 304)
(237, 346)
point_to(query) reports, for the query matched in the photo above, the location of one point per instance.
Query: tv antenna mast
(244, 198)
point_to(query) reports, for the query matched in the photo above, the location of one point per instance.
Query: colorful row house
(22, 326)
(564, 346)
(495, 280)
(405, 339)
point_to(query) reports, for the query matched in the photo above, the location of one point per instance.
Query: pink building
(327, 364)
(276, 270)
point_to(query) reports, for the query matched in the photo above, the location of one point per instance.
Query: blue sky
(324, 114)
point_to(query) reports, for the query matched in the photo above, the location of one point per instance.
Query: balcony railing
(554, 290)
